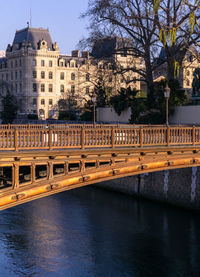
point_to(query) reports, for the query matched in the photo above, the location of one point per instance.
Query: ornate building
(39, 75)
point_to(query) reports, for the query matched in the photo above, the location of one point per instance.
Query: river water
(90, 232)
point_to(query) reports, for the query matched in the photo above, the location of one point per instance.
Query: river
(90, 232)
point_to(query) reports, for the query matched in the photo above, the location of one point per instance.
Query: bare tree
(130, 19)
(178, 30)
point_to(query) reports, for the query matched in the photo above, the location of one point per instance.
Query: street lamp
(94, 113)
(167, 95)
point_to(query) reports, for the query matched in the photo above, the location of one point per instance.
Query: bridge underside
(37, 174)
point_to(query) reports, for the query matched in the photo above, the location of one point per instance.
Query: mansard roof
(33, 35)
(108, 46)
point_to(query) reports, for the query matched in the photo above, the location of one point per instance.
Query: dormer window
(43, 44)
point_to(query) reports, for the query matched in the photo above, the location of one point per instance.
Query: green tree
(10, 108)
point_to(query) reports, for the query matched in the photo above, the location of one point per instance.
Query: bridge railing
(61, 137)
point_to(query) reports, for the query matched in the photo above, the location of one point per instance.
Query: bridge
(40, 160)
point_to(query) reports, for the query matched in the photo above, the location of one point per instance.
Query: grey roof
(106, 47)
(34, 35)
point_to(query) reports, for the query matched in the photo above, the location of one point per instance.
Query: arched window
(72, 76)
(42, 74)
(42, 87)
(41, 113)
(42, 102)
(50, 75)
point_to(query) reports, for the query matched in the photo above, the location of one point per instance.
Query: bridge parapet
(29, 137)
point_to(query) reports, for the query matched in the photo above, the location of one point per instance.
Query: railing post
(50, 170)
(193, 135)
(15, 176)
(50, 138)
(66, 168)
(141, 136)
(32, 172)
(112, 137)
(82, 137)
(16, 133)
(168, 135)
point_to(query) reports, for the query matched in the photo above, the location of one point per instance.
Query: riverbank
(179, 187)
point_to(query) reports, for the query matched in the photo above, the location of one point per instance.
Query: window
(15, 75)
(110, 79)
(20, 87)
(87, 90)
(72, 64)
(50, 63)
(72, 76)
(34, 87)
(62, 76)
(34, 63)
(16, 63)
(20, 62)
(72, 89)
(50, 75)
(62, 88)
(50, 102)
(43, 102)
(11, 76)
(42, 63)
(188, 83)
(42, 74)
(11, 64)
(34, 74)
(50, 88)
(134, 80)
(16, 88)
(188, 73)
(87, 77)
(61, 63)
(6, 76)
(42, 87)
(20, 75)
(34, 101)
(122, 80)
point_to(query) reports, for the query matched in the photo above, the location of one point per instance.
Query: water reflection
(92, 232)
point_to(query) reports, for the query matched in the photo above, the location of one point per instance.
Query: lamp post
(167, 95)
(94, 112)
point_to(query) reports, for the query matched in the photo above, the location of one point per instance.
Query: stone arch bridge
(40, 160)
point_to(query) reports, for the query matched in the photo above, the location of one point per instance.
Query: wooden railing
(25, 137)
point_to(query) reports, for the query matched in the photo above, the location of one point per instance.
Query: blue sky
(60, 16)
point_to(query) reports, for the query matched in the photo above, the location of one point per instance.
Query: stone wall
(179, 187)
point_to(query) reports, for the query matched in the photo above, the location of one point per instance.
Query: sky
(61, 17)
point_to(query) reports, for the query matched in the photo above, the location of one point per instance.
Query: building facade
(39, 75)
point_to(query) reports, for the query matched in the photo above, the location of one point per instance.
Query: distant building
(39, 75)
(185, 77)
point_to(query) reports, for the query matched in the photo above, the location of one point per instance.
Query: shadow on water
(93, 232)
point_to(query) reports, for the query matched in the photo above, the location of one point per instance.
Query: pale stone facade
(185, 76)
(39, 75)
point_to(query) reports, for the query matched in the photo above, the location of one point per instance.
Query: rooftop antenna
(30, 17)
